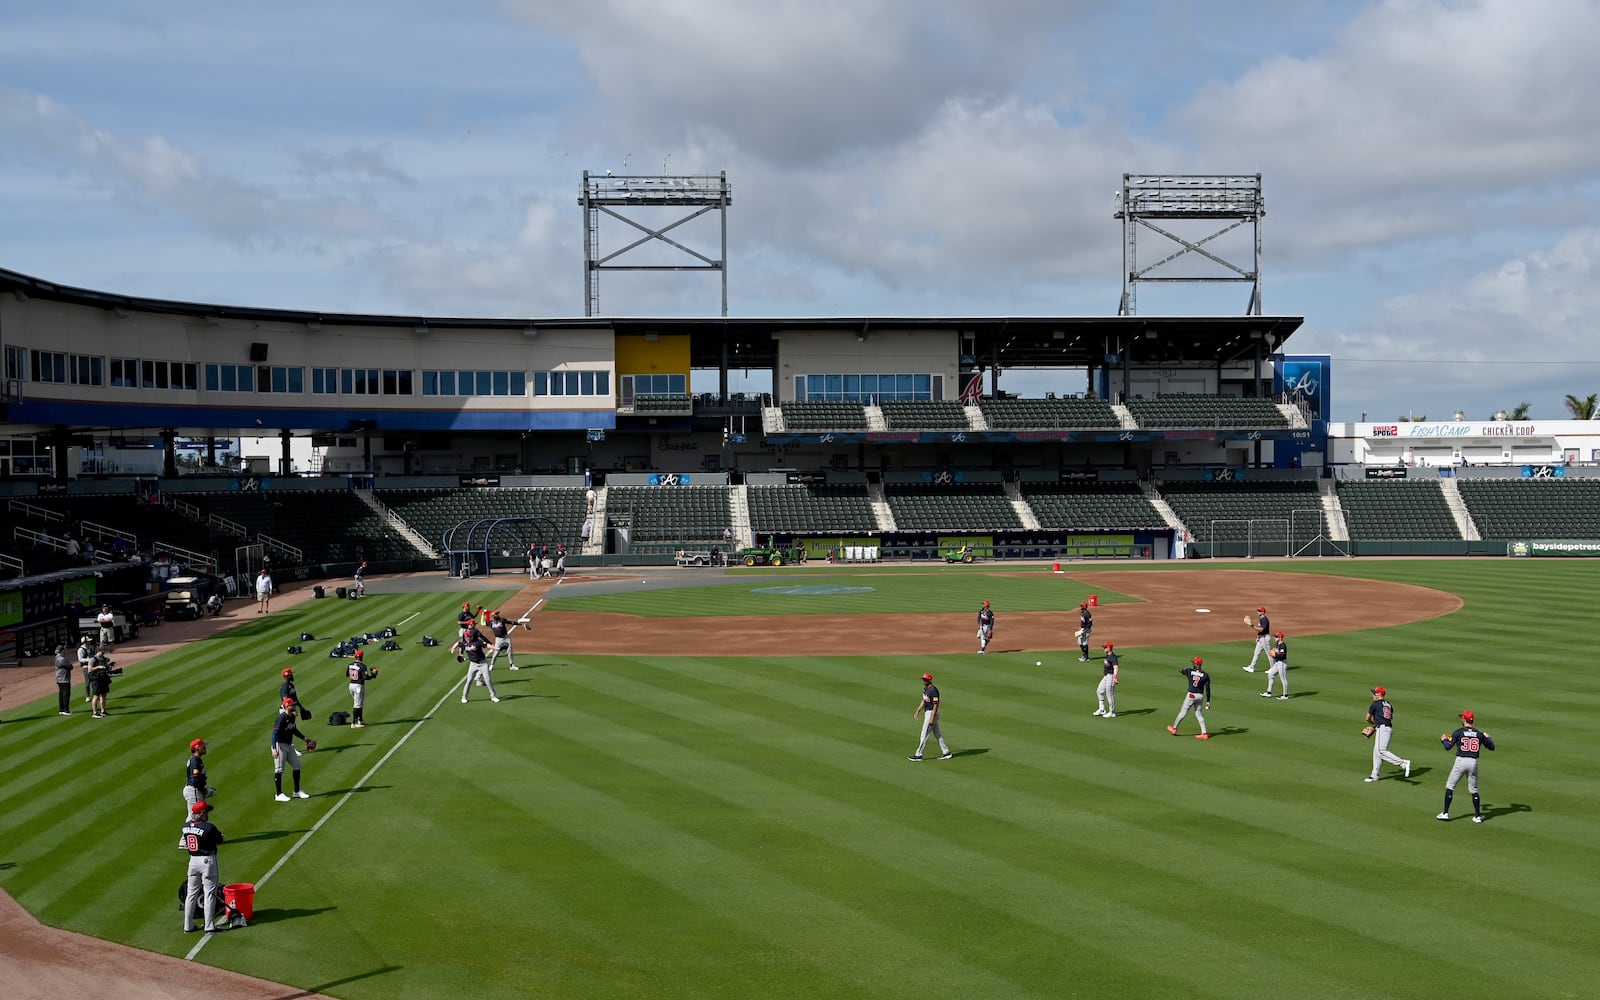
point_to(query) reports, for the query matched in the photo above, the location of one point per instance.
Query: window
(541, 383)
(325, 381)
(169, 375)
(447, 383)
(87, 369)
(125, 372)
(49, 366)
(866, 388)
(643, 385)
(359, 381)
(16, 362)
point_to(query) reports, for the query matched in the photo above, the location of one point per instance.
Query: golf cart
(962, 555)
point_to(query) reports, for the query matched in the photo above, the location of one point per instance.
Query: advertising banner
(1555, 547)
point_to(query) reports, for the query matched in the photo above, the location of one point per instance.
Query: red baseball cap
(1108, 645)
(199, 807)
(927, 677)
(1198, 661)
(288, 703)
(1278, 635)
(1083, 604)
(195, 745)
(1467, 716)
(360, 653)
(1262, 610)
(1380, 692)
(986, 604)
(287, 672)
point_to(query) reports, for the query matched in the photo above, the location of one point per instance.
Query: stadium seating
(811, 508)
(1398, 510)
(908, 415)
(433, 512)
(687, 515)
(824, 416)
(329, 526)
(1106, 505)
(1509, 509)
(669, 404)
(1277, 506)
(1021, 414)
(951, 507)
(1195, 411)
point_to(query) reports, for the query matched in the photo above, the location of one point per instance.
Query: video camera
(103, 662)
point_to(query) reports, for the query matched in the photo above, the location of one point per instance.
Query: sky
(1430, 168)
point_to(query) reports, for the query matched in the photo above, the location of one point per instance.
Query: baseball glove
(1247, 620)
(310, 745)
(1078, 634)
(1368, 731)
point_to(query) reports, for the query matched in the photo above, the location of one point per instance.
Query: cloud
(357, 163)
(154, 175)
(1517, 331)
(1415, 117)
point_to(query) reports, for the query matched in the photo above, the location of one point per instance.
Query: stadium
(697, 784)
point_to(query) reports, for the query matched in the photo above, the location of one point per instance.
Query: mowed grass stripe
(1246, 879)
(1165, 780)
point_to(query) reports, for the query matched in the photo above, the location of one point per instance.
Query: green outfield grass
(880, 592)
(688, 826)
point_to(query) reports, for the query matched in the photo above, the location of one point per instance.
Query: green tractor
(758, 555)
(964, 554)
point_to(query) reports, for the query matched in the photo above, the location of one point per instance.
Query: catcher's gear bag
(339, 719)
(341, 651)
(429, 640)
(371, 636)
(390, 646)
(318, 591)
(295, 650)
(389, 633)
(307, 637)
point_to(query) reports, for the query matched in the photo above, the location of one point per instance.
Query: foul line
(336, 806)
(541, 600)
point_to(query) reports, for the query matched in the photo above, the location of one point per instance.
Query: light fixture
(421, 329)
(20, 295)
(213, 321)
(314, 325)
(652, 336)
(122, 312)
(530, 331)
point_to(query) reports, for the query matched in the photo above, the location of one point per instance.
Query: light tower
(607, 195)
(1231, 200)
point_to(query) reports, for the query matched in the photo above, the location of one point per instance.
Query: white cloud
(154, 175)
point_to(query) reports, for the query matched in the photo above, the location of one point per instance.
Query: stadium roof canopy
(752, 342)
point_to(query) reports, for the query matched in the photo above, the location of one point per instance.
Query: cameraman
(101, 667)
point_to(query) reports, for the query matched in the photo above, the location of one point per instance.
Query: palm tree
(1521, 412)
(1582, 409)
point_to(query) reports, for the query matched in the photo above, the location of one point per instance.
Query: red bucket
(1094, 600)
(241, 896)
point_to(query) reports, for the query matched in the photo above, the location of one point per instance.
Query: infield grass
(691, 826)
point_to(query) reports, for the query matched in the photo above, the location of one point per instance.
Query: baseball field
(703, 791)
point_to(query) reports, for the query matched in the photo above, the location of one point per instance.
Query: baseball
(1038, 663)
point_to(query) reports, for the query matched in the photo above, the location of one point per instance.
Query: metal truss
(607, 195)
(1234, 199)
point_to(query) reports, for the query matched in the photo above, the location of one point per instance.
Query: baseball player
(201, 839)
(1199, 688)
(195, 788)
(1263, 627)
(985, 627)
(465, 617)
(1467, 741)
(1380, 727)
(359, 588)
(477, 668)
(1085, 629)
(288, 690)
(501, 629)
(1106, 694)
(1279, 655)
(359, 673)
(928, 708)
(284, 732)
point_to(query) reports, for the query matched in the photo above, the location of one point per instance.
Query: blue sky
(1430, 167)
